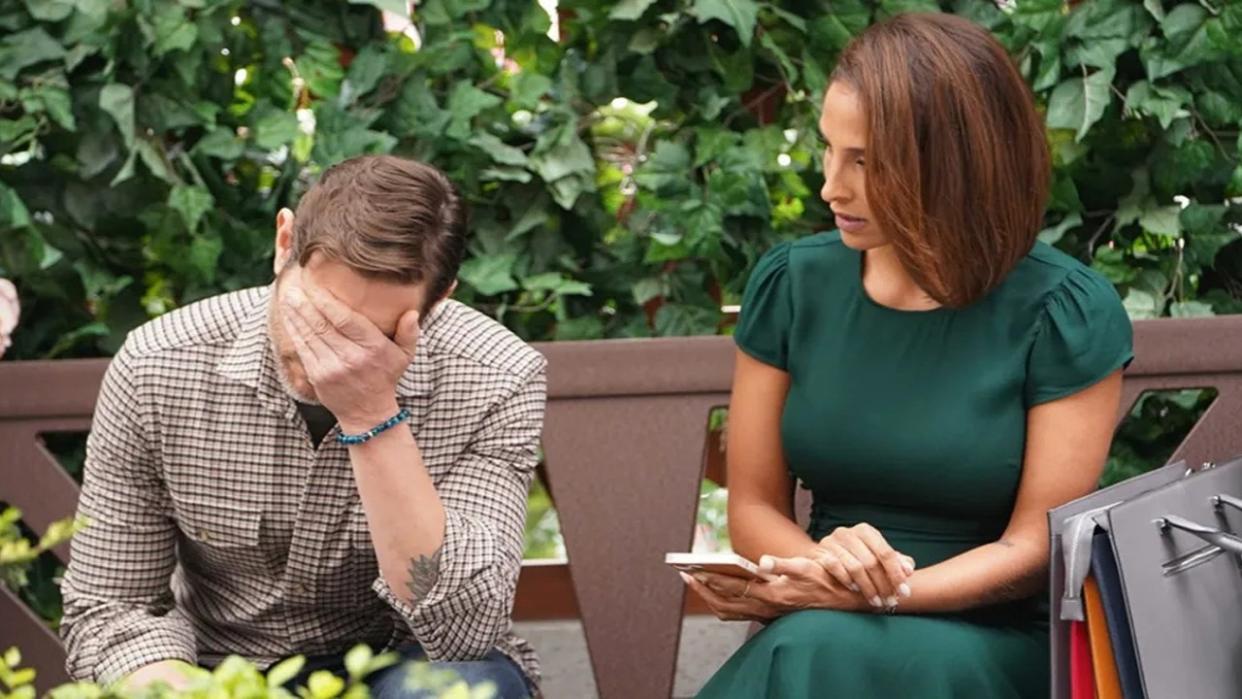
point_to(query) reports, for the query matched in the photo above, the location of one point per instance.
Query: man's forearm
(404, 512)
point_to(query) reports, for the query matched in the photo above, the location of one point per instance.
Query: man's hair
(957, 163)
(387, 218)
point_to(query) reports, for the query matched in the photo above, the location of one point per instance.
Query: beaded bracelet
(355, 439)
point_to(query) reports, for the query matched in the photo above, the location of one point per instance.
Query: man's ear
(284, 239)
(431, 306)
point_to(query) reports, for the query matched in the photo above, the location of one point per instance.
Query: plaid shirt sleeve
(119, 609)
(484, 497)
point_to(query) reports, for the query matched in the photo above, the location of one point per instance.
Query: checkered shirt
(217, 528)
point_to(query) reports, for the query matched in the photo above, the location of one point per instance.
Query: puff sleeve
(1083, 335)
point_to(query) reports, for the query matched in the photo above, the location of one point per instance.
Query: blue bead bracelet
(350, 440)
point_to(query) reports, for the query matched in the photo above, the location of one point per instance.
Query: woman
(934, 375)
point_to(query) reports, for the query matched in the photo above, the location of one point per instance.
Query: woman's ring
(746, 592)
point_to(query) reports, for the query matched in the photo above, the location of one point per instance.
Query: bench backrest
(624, 451)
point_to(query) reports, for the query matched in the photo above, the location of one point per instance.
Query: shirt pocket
(220, 536)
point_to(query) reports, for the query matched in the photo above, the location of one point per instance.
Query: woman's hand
(860, 559)
(792, 584)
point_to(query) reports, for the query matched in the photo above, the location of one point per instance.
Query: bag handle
(1219, 540)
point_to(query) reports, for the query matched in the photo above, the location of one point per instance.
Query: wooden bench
(624, 451)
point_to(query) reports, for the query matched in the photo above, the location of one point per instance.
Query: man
(342, 457)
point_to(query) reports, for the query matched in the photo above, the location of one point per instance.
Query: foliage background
(624, 176)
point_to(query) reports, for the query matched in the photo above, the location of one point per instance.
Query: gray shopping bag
(1180, 564)
(1057, 518)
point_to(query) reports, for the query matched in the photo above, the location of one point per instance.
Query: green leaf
(566, 165)
(1141, 305)
(320, 66)
(173, 32)
(739, 14)
(1156, 8)
(275, 129)
(192, 203)
(1186, 42)
(1053, 234)
(59, 106)
(678, 320)
(527, 88)
(49, 10)
(630, 9)
(154, 160)
(1112, 263)
(1166, 104)
(366, 69)
(787, 66)
(793, 20)
(466, 102)
(324, 685)
(13, 212)
(27, 48)
(1190, 309)
(1040, 15)
(557, 284)
(1079, 103)
(397, 7)
(357, 660)
(490, 274)
(127, 170)
(667, 170)
(221, 143)
(1162, 220)
(284, 671)
(118, 101)
(499, 151)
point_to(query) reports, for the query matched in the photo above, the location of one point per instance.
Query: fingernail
(766, 562)
(908, 567)
(875, 602)
(854, 588)
(903, 590)
(890, 602)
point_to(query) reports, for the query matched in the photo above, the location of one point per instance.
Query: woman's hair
(956, 159)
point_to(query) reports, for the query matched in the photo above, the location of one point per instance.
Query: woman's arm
(1066, 447)
(761, 516)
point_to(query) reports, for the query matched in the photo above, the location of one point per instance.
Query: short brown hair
(957, 162)
(385, 217)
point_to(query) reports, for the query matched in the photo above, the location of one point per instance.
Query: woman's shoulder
(1046, 274)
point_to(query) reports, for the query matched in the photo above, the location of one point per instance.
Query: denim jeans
(404, 681)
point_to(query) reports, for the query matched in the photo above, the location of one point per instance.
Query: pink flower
(10, 312)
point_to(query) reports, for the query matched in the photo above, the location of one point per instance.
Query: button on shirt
(216, 527)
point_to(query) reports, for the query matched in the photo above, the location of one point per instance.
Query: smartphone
(720, 563)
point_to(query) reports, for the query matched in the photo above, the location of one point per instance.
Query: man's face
(381, 302)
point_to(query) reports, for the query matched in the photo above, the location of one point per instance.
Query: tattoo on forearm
(424, 571)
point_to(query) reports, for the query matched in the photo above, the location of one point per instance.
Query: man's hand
(352, 365)
(177, 674)
(791, 584)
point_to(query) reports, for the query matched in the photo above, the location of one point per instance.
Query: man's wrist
(363, 420)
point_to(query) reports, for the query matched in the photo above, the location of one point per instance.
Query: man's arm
(450, 555)
(119, 610)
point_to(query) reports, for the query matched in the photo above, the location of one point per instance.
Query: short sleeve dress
(915, 422)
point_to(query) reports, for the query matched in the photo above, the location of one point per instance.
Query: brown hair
(385, 217)
(957, 163)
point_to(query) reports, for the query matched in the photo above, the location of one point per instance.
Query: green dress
(915, 422)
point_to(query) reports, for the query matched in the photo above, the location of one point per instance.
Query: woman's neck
(887, 282)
